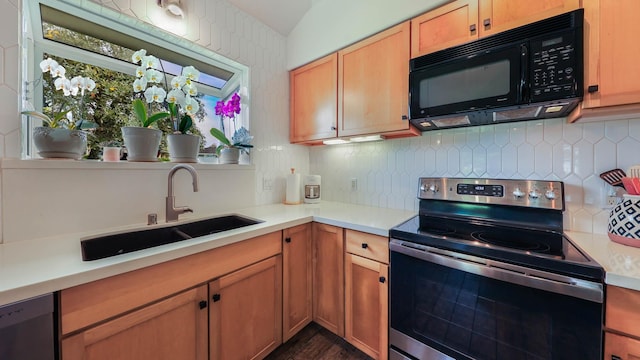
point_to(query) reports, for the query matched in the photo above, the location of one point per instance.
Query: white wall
(334, 24)
(214, 24)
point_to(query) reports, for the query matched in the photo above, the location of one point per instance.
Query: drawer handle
(592, 88)
(287, 240)
(202, 304)
(486, 22)
(382, 279)
(472, 27)
(215, 297)
(365, 245)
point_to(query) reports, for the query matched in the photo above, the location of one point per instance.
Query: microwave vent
(517, 114)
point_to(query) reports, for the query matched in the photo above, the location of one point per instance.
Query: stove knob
(550, 194)
(517, 193)
(433, 188)
(423, 188)
(534, 194)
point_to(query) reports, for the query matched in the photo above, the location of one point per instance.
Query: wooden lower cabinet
(174, 328)
(328, 277)
(367, 305)
(245, 320)
(618, 347)
(297, 280)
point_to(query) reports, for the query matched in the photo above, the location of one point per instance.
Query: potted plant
(62, 136)
(182, 104)
(142, 142)
(229, 150)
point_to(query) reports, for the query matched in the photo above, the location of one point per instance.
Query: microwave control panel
(553, 66)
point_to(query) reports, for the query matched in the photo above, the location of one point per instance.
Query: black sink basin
(111, 245)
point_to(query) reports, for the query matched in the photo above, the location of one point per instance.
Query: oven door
(452, 306)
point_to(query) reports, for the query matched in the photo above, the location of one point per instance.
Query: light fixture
(367, 138)
(335, 142)
(172, 7)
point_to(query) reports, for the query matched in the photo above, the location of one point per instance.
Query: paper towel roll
(293, 189)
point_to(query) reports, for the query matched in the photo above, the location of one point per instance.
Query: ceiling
(281, 15)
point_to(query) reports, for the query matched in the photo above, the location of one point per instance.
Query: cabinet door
(297, 276)
(314, 101)
(500, 15)
(617, 347)
(175, 328)
(246, 312)
(452, 24)
(373, 84)
(611, 53)
(367, 305)
(328, 277)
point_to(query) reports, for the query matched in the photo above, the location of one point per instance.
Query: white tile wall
(387, 172)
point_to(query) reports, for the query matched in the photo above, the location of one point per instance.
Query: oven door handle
(514, 274)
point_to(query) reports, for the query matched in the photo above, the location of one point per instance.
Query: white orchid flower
(190, 105)
(140, 84)
(154, 76)
(140, 70)
(178, 82)
(150, 62)
(83, 83)
(191, 90)
(89, 84)
(175, 96)
(48, 64)
(138, 56)
(63, 84)
(76, 85)
(58, 71)
(190, 73)
(155, 94)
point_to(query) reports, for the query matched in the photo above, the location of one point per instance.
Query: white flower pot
(142, 143)
(624, 221)
(229, 156)
(183, 148)
(60, 143)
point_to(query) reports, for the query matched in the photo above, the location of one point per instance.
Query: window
(93, 41)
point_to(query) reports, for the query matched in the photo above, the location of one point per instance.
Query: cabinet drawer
(623, 310)
(370, 246)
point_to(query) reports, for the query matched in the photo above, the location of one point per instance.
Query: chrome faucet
(172, 211)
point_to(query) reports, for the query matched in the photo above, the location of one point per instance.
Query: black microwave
(531, 72)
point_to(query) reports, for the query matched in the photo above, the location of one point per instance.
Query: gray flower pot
(60, 143)
(183, 148)
(142, 143)
(229, 156)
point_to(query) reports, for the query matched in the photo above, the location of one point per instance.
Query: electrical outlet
(354, 184)
(611, 201)
(267, 183)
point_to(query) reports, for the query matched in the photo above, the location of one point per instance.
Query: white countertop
(620, 262)
(31, 268)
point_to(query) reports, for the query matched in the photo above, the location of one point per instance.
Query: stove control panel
(527, 193)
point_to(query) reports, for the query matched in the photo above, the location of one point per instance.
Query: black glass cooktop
(545, 250)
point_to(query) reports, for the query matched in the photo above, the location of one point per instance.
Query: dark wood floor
(315, 343)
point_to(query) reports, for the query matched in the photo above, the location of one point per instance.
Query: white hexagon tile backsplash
(387, 172)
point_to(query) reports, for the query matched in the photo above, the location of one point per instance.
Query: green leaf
(185, 124)
(38, 115)
(141, 111)
(155, 117)
(220, 136)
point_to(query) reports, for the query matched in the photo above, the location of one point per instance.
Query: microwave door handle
(523, 92)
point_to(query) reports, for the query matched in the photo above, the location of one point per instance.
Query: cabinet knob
(215, 297)
(333, 128)
(486, 22)
(287, 240)
(202, 304)
(365, 245)
(382, 279)
(472, 27)
(405, 117)
(592, 88)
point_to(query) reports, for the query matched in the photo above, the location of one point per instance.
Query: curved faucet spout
(172, 211)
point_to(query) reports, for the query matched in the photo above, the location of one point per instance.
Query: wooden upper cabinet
(444, 27)
(373, 84)
(313, 101)
(612, 83)
(500, 15)
(462, 21)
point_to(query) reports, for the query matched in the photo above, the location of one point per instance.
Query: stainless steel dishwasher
(27, 329)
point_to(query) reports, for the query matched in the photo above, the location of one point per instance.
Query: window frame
(35, 45)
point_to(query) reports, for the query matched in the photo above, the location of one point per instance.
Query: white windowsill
(9, 163)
